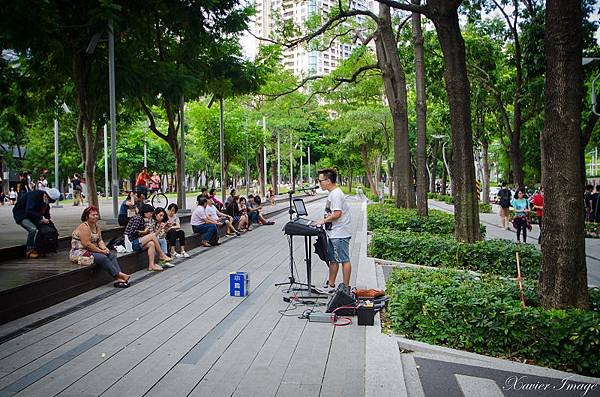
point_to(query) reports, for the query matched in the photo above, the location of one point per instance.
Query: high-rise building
(299, 60)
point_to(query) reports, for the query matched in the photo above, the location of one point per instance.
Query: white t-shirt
(341, 227)
(211, 212)
(198, 216)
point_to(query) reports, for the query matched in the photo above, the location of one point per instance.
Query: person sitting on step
(88, 247)
(175, 233)
(203, 225)
(143, 239)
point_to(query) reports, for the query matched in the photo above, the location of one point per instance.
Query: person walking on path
(32, 210)
(588, 203)
(76, 183)
(12, 196)
(339, 234)
(538, 205)
(521, 221)
(596, 204)
(504, 197)
(86, 242)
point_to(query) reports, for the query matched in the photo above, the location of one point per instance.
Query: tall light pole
(292, 182)
(113, 119)
(183, 208)
(222, 150)
(145, 148)
(278, 162)
(247, 168)
(106, 183)
(309, 174)
(301, 156)
(57, 205)
(264, 185)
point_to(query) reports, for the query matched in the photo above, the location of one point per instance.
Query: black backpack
(46, 239)
(119, 240)
(505, 196)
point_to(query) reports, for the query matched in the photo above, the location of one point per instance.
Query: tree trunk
(563, 276)
(466, 208)
(444, 181)
(485, 183)
(516, 159)
(421, 111)
(88, 138)
(434, 162)
(368, 172)
(395, 89)
(350, 179)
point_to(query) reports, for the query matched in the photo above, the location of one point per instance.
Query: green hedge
(483, 315)
(592, 230)
(485, 208)
(401, 219)
(487, 256)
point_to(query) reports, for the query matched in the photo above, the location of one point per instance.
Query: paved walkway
(492, 220)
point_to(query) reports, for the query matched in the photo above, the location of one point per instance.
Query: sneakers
(328, 289)
(32, 254)
(175, 255)
(184, 254)
(166, 265)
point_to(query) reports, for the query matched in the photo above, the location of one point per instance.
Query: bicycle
(158, 199)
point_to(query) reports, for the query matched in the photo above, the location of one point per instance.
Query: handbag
(84, 260)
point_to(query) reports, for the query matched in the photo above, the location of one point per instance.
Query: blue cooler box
(238, 284)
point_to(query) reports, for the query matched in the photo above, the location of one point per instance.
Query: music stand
(300, 207)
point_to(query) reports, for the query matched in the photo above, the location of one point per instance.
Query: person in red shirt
(141, 182)
(538, 206)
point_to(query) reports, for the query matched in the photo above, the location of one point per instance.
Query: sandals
(155, 269)
(121, 284)
(166, 259)
(205, 244)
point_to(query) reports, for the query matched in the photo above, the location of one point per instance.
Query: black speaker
(340, 298)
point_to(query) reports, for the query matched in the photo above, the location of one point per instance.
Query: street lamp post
(57, 205)
(278, 163)
(145, 148)
(106, 183)
(113, 119)
(301, 156)
(264, 185)
(292, 182)
(222, 150)
(247, 168)
(183, 208)
(309, 174)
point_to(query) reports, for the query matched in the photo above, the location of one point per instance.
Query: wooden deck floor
(179, 333)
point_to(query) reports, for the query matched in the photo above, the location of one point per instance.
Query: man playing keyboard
(340, 232)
